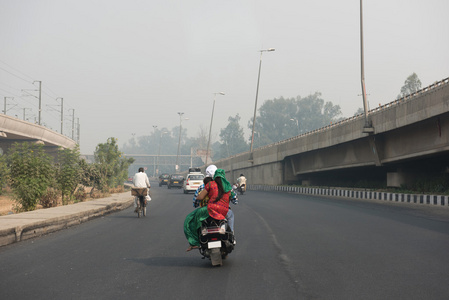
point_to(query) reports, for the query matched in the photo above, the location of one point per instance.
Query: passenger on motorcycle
(218, 191)
(140, 180)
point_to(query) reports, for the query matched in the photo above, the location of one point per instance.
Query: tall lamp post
(211, 119)
(179, 141)
(368, 128)
(159, 153)
(257, 93)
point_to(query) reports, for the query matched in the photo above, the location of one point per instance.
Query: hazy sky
(124, 66)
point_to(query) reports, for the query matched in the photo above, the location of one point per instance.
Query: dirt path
(6, 205)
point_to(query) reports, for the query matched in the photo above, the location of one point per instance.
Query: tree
(411, 84)
(113, 166)
(90, 175)
(31, 173)
(281, 118)
(232, 139)
(359, 111)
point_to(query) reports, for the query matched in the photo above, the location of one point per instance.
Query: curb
(66, 219)
(435, 200)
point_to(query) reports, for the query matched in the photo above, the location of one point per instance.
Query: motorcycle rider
(217, 207)
(241, 181)
(210, 172)
(140, 180)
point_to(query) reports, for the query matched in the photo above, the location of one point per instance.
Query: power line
(14, 75)
(32, 79)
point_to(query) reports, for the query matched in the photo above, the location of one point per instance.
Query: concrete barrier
(435, 200)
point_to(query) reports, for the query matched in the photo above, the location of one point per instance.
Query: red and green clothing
(216, 210)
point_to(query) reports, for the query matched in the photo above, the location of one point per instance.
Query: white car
(192, 182)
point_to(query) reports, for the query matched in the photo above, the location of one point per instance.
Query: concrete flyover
(15, 130)
(410, 136)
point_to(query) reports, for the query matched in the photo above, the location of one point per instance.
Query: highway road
(288, 247)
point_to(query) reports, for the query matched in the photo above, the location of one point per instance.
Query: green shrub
(31, 173)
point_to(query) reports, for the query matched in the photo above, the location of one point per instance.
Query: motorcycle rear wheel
(215, 257)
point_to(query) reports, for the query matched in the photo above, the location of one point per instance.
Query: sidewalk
(18, 227)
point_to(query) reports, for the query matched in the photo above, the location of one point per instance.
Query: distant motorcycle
(142, 203)
(241, 189)
(216, 239)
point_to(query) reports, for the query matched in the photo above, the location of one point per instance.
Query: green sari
(192, 223)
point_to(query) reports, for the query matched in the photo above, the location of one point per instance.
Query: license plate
(216, 244)
(175, 182)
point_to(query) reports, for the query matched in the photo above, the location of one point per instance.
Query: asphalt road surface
(288, 247)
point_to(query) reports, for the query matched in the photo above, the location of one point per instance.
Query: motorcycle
(216, 239)
(142, 203)
(241, 189)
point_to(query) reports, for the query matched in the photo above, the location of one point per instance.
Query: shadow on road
(174, 262)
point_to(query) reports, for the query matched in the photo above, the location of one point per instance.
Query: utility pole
(24, 109)
(62, 114)
(5, 110)
(78, 131)
(73, 123)
(40, 100)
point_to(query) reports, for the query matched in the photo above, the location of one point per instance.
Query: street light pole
(257, 93)
(179, 141)
(368, 127)
(210, 129)
(159, 153)
(154, 165)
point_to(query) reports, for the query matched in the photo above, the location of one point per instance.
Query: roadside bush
(31, 173)
(4, 172)
(68, 173)
(80, 194)
(49, 199)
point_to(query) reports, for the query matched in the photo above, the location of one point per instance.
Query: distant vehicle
(194, 170)
(192, 182)
(175, 180)
(163, 179)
